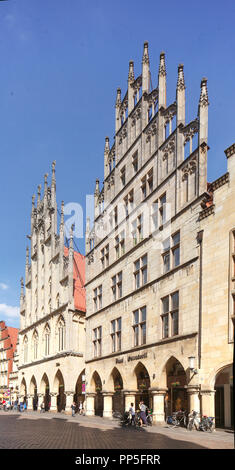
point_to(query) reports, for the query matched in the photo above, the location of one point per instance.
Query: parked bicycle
(207, 424)
(194, 421)
(178, 418)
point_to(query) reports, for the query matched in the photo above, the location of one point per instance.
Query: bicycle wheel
(212, 427)
(190, 426)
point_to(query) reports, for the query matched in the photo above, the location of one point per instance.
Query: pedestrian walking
(143, 418)
(25, 406)
(15, 407)
(73, 406)
(42, 407)
(132, 414)
(80, 408)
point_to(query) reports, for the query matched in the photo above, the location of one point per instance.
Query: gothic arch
(58, 387)
(96, 382)
(23, 388)
(44, 383)
(115, 380)
(32, 385)
(215, 372)
(164, 369)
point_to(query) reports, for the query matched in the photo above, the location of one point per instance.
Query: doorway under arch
(118, 397)
(96, 385)
(45, 390)
(176, 382)
(34, 393)
(143, 385)
(79, 395)
(224, 410)
(58, 387)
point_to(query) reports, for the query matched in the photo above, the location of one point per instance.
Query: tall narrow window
(162, 209)
(61, 334)
(116, 330)
(175, 249)
(175, 314)
(135, 162)
(47, 340)
(35, 345)
(139, 326)
(97, 341)
(166, 255)
(165, 317)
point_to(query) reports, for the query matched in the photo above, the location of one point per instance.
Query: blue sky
(61, 63)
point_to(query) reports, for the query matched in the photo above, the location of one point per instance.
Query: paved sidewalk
(163, 435)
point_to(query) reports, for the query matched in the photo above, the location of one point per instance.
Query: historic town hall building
(52, 311)
(160, 301)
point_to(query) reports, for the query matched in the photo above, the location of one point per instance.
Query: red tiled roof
(79, 291)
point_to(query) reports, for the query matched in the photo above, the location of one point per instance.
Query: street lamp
(191, 364)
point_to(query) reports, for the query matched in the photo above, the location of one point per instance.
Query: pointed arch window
(61, 334)
(47, 334)
(35, 345)
(58, 300)
(25, 349)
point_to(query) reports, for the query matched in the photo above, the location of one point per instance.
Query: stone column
(193, 398)
(53, 401)
(30, 401)
(158, 405)
(108, 404)
(69, 402)
(90, 404)
(208, 402)
(129, 398)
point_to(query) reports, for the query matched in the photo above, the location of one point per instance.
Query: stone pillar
(69, 402)
(158, 405)
(208, 402)
(227, 406)
(30, 401)
(193, 398)
(90, 404)
(129, 398)
(53, 401)
(108, 405)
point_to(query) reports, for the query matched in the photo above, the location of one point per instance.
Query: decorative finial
(131, 76)
(204, 101)
(33, 199)
(97, 187)
(118, 98)
(162, 65)
(145, 59)
(180, 81)
(106, 148)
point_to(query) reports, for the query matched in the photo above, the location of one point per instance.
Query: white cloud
(9, 311)
(3, 286)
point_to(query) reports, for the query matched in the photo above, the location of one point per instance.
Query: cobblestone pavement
(33, 430)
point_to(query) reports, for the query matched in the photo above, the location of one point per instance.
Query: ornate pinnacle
(27, 255)
(39, 193)
(97, 188)
(118, 99)
(162, 65)
(131, 76)
(53, 171)
(62, 214)
(145, 59)
(180, 81)
(106, 148)
(204, 101)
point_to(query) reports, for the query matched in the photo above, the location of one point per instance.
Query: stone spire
(39, 195)
(162, 81)
(117, 110)
(131, 75)
(145, 69)
(180, 96)
(106, 154)
(131, 78)
(21, 292)
(53, 183)
(45, 192)
(203, 112)
(62, 216)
